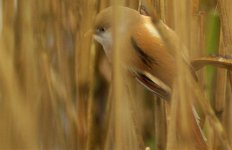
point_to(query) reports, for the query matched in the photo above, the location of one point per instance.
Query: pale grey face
(103, 36)
(104, 25)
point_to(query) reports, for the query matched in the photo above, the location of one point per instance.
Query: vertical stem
(226, 23)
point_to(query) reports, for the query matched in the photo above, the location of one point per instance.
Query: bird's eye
(100, 29)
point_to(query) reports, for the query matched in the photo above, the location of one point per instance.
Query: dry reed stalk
(160, 109)
(84, 73)
(228, 111)
(172, 128)
(197, 29)
(160, 124)
(213, 120)
(122, 132)
(92, 137)
(197, 39)
(6, 42)
(226, 23)
(61, 74)
(103, 4)
(132, 4)
(105, 131)
(44, 87)
(15, 120)
(221, 88)
(219, 105)
(220, 97)
(124, 129)
(168, 17)
(220, 94)
(82, 62)
(16, 111)
(52, 88)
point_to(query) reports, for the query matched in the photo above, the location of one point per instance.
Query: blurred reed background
(56, 89)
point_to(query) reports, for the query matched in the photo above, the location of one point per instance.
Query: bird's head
(104, 25)
(103, 29)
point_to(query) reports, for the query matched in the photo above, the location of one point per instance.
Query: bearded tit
(144, 52)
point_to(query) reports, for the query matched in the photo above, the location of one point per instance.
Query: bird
(145, 54)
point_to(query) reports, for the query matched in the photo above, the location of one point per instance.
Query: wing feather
(152, 53)
(152, 83)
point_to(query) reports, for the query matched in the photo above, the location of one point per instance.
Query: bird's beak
(88, 33)
(91, 32)
(97, 38)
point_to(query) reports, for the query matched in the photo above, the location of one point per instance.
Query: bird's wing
(151, 53)
(152, 83)
(145, 57)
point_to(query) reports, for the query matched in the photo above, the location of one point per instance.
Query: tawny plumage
(146, 57)
(144, 52)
